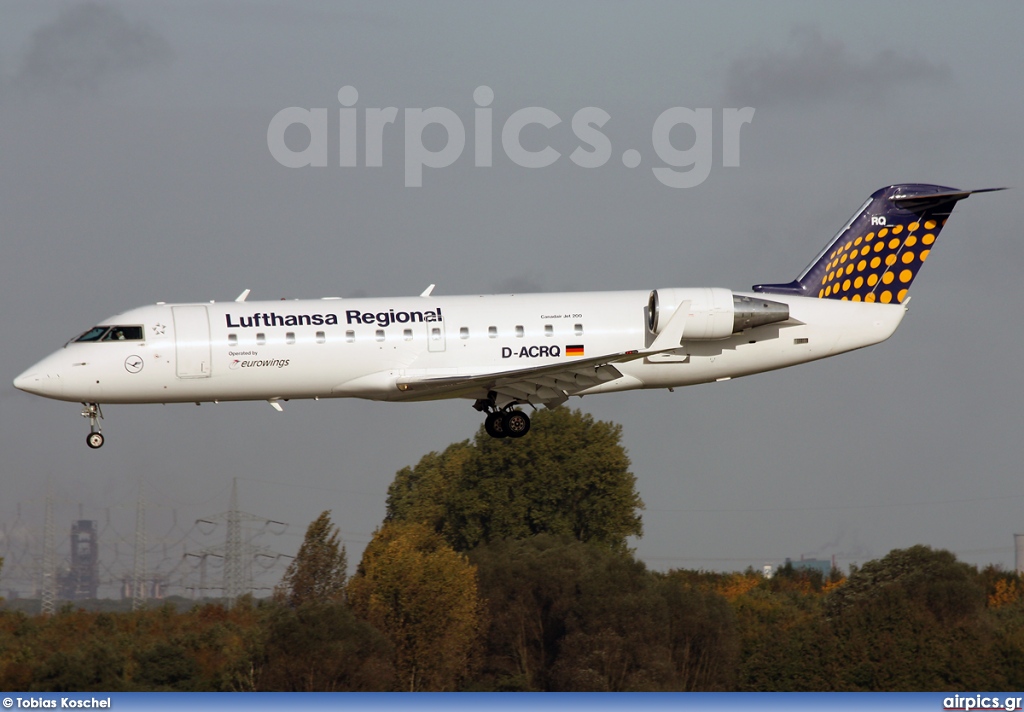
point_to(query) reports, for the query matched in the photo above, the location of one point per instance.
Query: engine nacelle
(712, 313)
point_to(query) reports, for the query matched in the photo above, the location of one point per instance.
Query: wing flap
(536, 384)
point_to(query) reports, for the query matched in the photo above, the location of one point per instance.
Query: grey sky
(135, 169)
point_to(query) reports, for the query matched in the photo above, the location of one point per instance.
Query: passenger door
(192, 341)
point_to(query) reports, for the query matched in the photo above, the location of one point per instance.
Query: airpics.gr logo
(683, 168)
(965, 703)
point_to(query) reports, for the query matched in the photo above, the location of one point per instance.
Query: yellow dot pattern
(884, 262)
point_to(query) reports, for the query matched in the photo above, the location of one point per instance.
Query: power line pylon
(234, 567)
(236, 552)
(48, 587)
(139, 558)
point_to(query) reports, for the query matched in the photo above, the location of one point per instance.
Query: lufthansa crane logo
(133, 364)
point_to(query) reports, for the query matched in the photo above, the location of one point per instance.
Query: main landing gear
(93, 412)
(507, 424)
(503, 422)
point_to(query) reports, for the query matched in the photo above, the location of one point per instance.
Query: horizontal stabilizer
(919, 202)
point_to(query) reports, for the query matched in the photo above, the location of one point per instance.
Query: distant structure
(1018, 546)
(825, 566)
(54, 557)
(82, 580)
(143, 589)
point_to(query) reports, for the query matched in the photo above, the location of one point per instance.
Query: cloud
(817, 69)
(86, 46)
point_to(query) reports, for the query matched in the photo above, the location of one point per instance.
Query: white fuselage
(365, 348)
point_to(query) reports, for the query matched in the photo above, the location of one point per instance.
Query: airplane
(506, 351)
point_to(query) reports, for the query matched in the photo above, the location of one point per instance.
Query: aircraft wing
(549, 385)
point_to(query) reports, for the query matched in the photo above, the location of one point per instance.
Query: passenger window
(519, 331)
(578, 330)
(232, 339)
(380, 334)
(464, 332)
(321, 337)
(261, 339)
(549, 330)
(289, 338)
(435, 333)
(407, 333)
(350, 336)
(492, 332)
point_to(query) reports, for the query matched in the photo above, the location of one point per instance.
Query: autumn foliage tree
(319, 570)
(423, 597)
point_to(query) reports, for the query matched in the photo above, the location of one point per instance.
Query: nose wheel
(93, 412)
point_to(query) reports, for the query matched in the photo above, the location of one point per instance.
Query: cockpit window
(112, 333)
(94, 334)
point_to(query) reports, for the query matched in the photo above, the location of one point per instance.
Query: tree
(570, 477)
(319, 570)
(904, 622)
(573, 616)
(702, 635)
(949, 589)
(423, 597)
(323, 647)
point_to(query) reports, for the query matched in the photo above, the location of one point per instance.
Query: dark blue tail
(880, 251)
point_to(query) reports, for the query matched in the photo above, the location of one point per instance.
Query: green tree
(319, 570)
(702, 637)
(423, 597)
(165, 666)
(567, 615)
(570, 477)
(905, 622)
(323, 647)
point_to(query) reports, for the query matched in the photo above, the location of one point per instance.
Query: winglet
(426, 292)
(671, 336)
(243, 296)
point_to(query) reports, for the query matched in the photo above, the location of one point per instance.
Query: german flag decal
(576, 350)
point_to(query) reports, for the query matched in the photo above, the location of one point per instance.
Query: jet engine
(712, 313)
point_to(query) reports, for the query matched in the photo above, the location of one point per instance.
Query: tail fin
(880, 251)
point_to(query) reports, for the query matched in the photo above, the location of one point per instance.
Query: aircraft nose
(39, 383)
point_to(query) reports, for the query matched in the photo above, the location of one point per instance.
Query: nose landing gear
(93, 412)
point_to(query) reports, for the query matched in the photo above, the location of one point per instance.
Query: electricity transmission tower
(139, 559)
(236, 552)
(48, 587)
